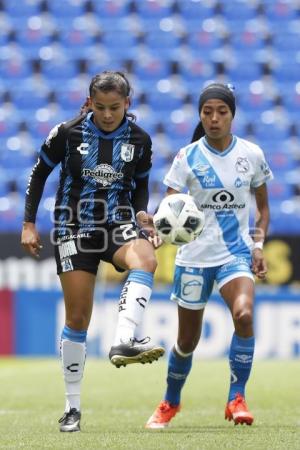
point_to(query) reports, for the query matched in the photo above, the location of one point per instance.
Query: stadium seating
(169, 48)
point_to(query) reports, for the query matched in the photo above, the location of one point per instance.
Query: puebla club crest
(127, 152)
(242, 165)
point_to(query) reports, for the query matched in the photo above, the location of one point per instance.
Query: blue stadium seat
(66, 8)
(154, 9)
(152, 69)
(244, 70)
(165, 102)
(59, 70)
(280, 11)
(13, 69)
(27, 37)
(112, 8)
(287, 72)
(278, 189)
(203, 41)
(195, 9)
(121, 41)
(160, 41)
(70, 99)
(22, 8)
(29, 98)
(248, 40)
(73, 39)
(273, 130)
(238, 10)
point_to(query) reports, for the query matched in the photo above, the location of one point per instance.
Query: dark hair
(108, 81)
(220, 91)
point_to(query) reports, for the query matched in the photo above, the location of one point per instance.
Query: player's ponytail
(198, 132)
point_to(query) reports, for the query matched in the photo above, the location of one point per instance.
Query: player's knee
(148, 263)
(243, 318)
(77, 321)
(188, 344)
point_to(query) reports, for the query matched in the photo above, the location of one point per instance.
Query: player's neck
(220, 144)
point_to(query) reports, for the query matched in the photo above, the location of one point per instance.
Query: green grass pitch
(117, 402)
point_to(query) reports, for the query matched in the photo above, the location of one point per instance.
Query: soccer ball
(178, 219)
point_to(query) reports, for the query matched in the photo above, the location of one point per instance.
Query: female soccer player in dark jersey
(101, 203)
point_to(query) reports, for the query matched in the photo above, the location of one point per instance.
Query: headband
(219, 91)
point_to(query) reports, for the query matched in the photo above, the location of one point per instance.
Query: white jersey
(220, 182)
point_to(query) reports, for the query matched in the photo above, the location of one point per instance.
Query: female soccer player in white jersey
(220, 170)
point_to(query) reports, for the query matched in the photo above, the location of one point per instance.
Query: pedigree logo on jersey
(103, 174)
(127, 152)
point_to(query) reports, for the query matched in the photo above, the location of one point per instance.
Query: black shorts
(84, 250)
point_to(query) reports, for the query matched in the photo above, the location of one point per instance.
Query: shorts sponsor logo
(191, 287)
(103, 174)
(127, 152)
(67, 249)
(244, 359)
(66, 265)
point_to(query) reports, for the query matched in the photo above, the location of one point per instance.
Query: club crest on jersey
(83, 148)
(242, 165)
(127, 152)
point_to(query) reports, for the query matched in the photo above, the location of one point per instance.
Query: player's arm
(50, 155)
(262, 219)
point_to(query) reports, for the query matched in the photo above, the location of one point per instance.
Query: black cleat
(135, 352)
(70, 421)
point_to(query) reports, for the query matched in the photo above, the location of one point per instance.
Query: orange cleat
(237, 411)
(162, 415)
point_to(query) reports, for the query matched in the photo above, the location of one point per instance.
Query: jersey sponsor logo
(239, 183)
(52, 134)
(191, 287)
(209, 181)
(82, 148)
(242, 165)
(103, 174)
(127, 152)
(223, 200)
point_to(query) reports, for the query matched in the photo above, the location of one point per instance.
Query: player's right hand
(30, 239)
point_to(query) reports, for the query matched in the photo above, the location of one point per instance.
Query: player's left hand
(145, 221)
(259, 265)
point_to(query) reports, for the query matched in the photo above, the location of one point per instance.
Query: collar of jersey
(101, 133)
(215, 152)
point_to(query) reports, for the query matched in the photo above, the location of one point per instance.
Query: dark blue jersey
(99, 173)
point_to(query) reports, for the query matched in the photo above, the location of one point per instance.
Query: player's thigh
(236, 284)
(129, 249)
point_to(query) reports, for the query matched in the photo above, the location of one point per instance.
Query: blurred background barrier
(31, 323)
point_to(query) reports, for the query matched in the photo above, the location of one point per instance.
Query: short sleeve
(177, 176)
(262, 171)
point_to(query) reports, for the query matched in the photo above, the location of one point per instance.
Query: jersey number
(128, 231)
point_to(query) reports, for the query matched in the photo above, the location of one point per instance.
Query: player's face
(109, 109)
(216, 119)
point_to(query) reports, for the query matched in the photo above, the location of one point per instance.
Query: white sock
(73, 358)
(132, 305)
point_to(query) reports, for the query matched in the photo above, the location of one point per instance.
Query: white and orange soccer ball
(178, 219)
